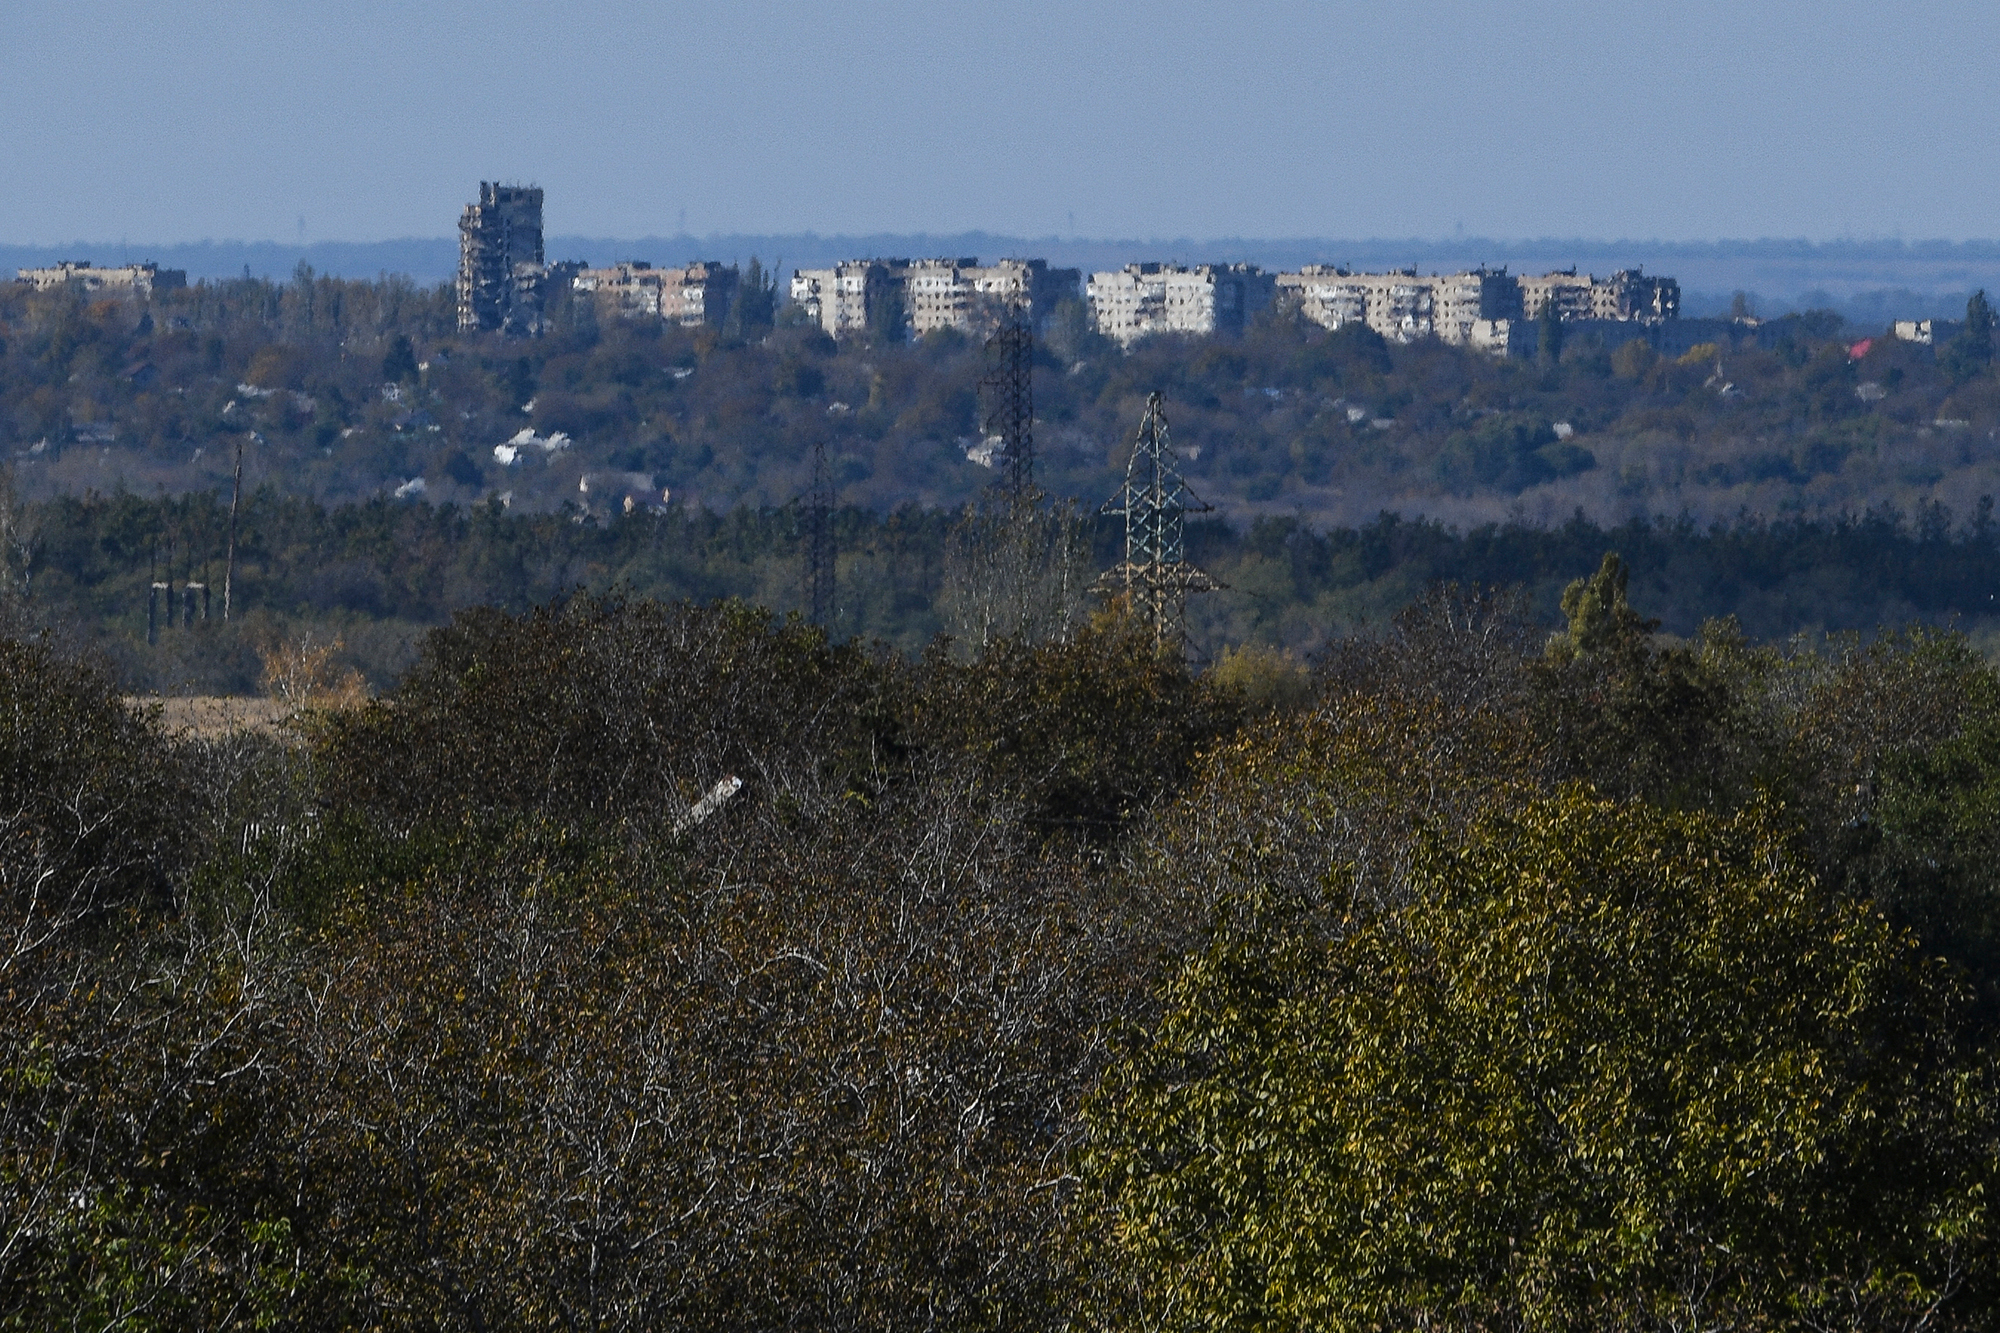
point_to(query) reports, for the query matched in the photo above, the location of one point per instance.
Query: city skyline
(1871, 282)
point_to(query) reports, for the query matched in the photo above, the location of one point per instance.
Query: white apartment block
(140, 280)
(1476, 307)
(962, 294)
(935, 294)
(1329, 296)
(1140, 300)
(1022, 284)
(1626, 295)
(1404, 306)
(688, 294)
(839, 299)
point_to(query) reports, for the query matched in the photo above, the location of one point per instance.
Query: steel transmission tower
(1010, 401)
(818, 535)
(1155, 577)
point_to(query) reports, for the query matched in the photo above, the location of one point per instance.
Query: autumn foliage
(1467, 980)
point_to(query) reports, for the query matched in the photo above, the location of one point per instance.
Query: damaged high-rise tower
(500, 270)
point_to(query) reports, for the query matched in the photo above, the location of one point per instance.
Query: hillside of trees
(1475, 977)
(344, 391)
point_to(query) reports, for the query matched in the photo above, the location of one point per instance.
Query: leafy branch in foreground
(1609, 1068)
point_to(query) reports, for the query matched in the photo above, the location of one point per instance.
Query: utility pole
(1155, 577)
(235, 498)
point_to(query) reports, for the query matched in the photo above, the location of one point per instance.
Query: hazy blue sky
(1670, 119)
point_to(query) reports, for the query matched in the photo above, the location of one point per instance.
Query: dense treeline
(344, 390)
(1476, 978)
(378, 574)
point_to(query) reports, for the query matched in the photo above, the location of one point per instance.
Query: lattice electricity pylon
(1155, 577)
(1009, 394)
(819, 552)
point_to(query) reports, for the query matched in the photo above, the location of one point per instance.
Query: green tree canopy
(1979, 322)
(1972, 350)
(756, 304)
(1610, 1068)
(399, 363)
(1601, 620)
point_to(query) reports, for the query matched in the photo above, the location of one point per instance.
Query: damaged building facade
(140, 280)
(686, 294)
(1482, 307)
(927, 295)
(965, 295)
(1626, 295)
(1140, 300)
(842, 298)
(500, 269)
(1475, 307)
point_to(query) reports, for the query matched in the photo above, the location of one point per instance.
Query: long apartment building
(924, 295)
(140, 280)
(1476, 307)
(1140, 300)
(1473, 307)
(686, 294)
(1626, 295)
(842, 298)
(500, 272)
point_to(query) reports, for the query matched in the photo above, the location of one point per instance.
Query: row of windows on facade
(1478, 307)
(1482, 307)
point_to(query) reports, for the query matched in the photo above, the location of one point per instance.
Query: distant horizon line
(1057, 238)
